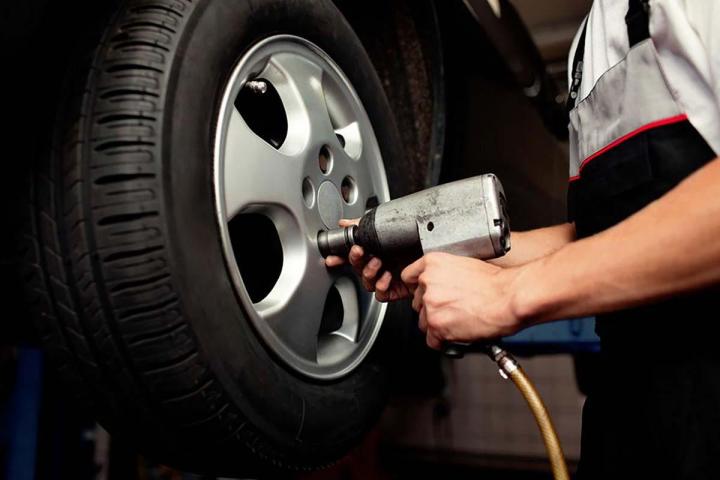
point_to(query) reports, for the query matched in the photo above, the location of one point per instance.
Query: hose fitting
(510, 368)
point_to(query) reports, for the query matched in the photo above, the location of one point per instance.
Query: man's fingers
(381, 288)
(382, 297)
(371, 269)
(334, 261)
(356, 257)
(422, 322)
(411, 273)
(345, 222)
(388, 295)
(417, 302)
(383, 284)
(432, 341)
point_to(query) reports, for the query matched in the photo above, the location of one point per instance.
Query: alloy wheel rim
(295, 147)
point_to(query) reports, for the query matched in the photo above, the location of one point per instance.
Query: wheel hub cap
(330, 204)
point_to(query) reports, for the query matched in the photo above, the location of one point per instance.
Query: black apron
(654, 411)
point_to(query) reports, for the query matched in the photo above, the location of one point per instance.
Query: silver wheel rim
(301, 194)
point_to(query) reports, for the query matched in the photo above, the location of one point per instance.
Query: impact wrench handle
(455, 350)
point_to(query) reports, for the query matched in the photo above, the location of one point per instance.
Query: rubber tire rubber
(124, 260)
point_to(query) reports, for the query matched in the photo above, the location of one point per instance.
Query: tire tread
(95, 251)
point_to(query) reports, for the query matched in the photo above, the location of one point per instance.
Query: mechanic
(641, 250)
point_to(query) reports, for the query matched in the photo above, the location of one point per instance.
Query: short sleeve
(686, 39)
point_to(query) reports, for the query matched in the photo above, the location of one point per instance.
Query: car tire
(124, 253)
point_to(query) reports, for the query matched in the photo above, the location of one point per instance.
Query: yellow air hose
(509, 367)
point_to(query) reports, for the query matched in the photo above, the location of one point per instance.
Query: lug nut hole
(325, 160)
(348, 190)
(308, 192)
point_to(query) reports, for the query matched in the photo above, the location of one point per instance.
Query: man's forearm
(534, 244)
(670, 247)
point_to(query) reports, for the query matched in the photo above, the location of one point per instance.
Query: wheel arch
(403, 40)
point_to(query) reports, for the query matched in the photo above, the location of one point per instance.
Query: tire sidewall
(300, 417)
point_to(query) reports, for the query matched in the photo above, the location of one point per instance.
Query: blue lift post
(21, 418)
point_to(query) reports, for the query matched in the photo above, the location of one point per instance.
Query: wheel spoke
(299, 83)
(255, 172)
(334, 346)
(351, 310)
(294, 312)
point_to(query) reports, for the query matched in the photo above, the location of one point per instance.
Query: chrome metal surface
(287, 184)
(258, 86)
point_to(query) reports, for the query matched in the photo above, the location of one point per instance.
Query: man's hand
(387, 288)
(461, 299)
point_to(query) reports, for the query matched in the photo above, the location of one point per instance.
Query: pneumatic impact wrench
(467, 217)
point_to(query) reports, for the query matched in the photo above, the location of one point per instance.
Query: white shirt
(686, 35)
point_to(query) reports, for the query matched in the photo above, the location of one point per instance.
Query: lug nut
(257, 86)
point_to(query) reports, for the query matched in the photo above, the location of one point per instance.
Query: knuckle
(436, 323)
(433, 322)
(430, 298)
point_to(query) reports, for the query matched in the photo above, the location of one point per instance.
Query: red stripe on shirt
(658, 123)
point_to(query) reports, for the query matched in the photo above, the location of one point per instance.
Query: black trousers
(654, 414)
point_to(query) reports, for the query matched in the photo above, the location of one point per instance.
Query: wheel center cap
(330, 204)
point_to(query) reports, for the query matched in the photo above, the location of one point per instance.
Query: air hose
(509, 367)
